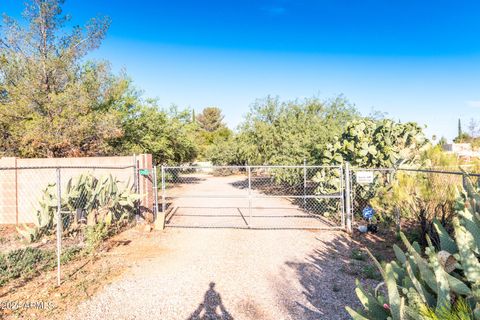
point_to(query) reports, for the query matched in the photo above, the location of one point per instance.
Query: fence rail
(67, 167)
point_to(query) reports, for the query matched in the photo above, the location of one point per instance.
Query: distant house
(463, 150)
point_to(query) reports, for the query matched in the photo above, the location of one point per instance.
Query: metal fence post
(155, 192)
(159, 216)
(304, 183)
(249, 195)
(342, 194)
(163, 190)
(136, 184)
(59, 224)
(348, 197)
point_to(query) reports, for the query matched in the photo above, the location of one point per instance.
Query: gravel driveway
(231, 273)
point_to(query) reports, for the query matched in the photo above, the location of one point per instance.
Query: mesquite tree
(52, 104)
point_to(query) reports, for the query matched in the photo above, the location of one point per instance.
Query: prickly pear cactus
(103, 201)
(44, 222)
(442, 283)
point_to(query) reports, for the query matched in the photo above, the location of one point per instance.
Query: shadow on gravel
(326, 284)
(212, 303)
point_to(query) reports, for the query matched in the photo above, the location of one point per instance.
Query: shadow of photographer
(211, 307)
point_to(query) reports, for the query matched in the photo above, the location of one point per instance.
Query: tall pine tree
(459, 128)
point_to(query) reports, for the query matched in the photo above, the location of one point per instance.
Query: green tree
(194, 117)
(167, 134)
(276, 132)
(211, 131)
(442, 141)
(210, 119)
(55, 103)
(228, 151)
(52, 104)
(470, 137)
(463, 138)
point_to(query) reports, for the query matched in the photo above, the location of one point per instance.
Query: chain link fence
(404, 193)
(51, 215)
(267, 197)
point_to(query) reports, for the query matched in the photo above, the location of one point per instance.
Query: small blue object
(368, 212)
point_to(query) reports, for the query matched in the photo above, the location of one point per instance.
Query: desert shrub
(27, 262)
(24, 263)
(95, 234)
(70, 253)
(421, 196)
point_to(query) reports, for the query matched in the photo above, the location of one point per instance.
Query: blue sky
(415, 60)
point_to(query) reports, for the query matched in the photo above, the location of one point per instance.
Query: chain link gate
(282, 197)
(364, 186)
(253, 197)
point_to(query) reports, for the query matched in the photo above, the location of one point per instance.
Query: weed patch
(22, 263)
(358, 254)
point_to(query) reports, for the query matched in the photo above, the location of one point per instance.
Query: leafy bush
(169, 135)
(228, 152)
(444, 282)
(276, 132)
(27, 262)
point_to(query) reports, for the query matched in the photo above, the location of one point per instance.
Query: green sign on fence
(144, 172)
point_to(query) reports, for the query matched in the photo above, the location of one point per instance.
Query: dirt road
(233, 273)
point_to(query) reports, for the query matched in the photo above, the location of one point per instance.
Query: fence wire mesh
(365, 186)
(253, 196)
(51, 215)
(406, 193)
